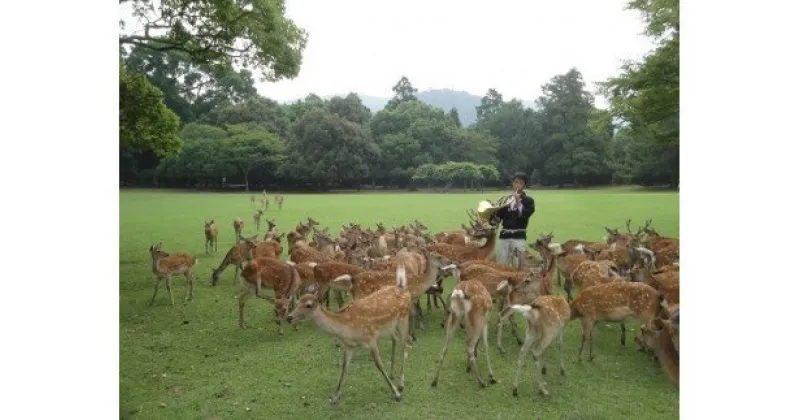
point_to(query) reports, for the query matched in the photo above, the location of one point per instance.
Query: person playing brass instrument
(514, 218)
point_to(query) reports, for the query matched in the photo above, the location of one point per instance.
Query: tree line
(189, 120)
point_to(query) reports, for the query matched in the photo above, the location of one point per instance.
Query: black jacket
(514, 219)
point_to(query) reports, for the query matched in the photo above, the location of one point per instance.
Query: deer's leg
(339, 298)
(155, 290)
(376, 357)
(189, 285)
(568, 289)
(500, 319)
(523, 354)
(588, 325)
(485, 336)
(622, 330)
(473, 334)
(591, 341)
(428, 301)
(169, 289)
(537, 366)
(403, 333)
(450, 329)
(346, 356)
(560, 352)
(244, 294)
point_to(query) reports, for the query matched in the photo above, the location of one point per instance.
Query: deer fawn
(167, 265)
(211, 236)
(363, 322)
(470, 302)
(544, 320)
(238, 225)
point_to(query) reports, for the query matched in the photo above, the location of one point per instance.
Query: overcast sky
(514, 46)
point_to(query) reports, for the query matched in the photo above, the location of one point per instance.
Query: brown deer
(470, 303)
(279, 201)
(280, 276)
(238, 226)
(545, 319)
(657, 336)
(589, 273)
(326, 272)
(667, 282)
(272, 231)
(252, 199)
(367, 282)
(257, 219)
(615, 302)
(167, 265)
(242, 252)
(463, 253)
(363, 322)
(211, 236)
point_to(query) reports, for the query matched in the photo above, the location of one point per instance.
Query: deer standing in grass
(470, 303)
(211, 236)
(618, 301)
(279, 201)
(363, 322)
(167, 265)
(238, 226)
(257, 218)
(544, 320)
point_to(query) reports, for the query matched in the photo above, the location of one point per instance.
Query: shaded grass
(195, 360)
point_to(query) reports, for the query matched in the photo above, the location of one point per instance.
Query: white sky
(514, 46)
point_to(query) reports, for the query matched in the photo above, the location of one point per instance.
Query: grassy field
(192, 361)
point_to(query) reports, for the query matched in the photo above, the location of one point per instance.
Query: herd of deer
(630, 276)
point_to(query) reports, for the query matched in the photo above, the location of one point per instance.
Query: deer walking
(363, 322)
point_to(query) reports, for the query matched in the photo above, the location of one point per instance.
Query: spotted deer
(617, 302)
(211, 236)
(470, 302)
(363, 323)
(167, 265)
(545, 320)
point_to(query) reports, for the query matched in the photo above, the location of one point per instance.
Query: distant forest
(189, 120)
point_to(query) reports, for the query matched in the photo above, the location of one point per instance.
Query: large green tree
(645, 96)
(221, 33)
(145, 122)
(326, 150)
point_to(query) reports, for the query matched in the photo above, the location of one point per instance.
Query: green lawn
(192, 361)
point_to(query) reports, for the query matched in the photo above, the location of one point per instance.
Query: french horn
(487, 210)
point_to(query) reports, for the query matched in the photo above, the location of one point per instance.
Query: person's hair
(521, 176)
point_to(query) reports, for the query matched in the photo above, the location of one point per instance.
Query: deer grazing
(238, 226)
(363, 322)
(167, 265)
(280, 276)
(615, 302)
(657, 336)
(470, 303)
(211, 236)
(545, 319)
(257, 218)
